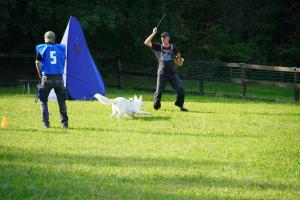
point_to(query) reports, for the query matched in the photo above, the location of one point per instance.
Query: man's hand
(148, 41)
(178, 60)
(154, 30)
(177, 56)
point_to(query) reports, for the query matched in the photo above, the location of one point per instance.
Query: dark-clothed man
(165, 54)
(50, 62)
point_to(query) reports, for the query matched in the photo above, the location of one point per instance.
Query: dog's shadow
(151, 118)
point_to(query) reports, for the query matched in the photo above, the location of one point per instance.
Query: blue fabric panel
(83, 77)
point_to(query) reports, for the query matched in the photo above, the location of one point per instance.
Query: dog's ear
(135, 97)
(141, 98)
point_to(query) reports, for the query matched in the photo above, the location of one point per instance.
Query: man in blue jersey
(50, 63)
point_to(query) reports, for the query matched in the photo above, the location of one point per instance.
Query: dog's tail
(103, 99)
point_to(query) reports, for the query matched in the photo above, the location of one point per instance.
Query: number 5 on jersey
(53, 57)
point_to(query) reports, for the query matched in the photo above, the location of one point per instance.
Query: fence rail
(289, 76)
(201, 71)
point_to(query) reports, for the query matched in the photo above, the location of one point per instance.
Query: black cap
(164, 34)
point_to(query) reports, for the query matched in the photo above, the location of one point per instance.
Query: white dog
(121, 106)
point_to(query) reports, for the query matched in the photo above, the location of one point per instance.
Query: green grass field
(221, 149)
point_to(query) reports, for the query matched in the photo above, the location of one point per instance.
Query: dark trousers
(176, 84)
(53, 82)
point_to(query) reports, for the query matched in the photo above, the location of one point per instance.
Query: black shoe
(183, 109)
(46, 125)
(65, 126)
(157, 106)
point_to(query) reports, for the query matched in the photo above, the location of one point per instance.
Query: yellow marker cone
(4, 122)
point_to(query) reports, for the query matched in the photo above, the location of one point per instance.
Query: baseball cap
(165, 34)
(49, 36)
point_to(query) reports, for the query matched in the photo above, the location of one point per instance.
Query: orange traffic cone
(4, 122)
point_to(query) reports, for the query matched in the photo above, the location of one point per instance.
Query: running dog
(122, 106)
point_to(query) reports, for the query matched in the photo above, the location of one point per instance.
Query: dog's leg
(119, 115)
(113, 113)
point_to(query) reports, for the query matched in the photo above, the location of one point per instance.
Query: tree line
(257, 31)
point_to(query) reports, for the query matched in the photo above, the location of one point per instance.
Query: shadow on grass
(36, 157)
(147, 118)
(59, 130)
(208, 135)
(191, 111)
(56, 130)
(98, 129)
(153, 118)
(271, 114)
(235, 113)
(54, 175)
(146, 132)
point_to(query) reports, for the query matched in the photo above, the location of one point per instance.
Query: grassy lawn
(221, 149)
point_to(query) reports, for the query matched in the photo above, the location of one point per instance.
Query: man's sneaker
(183, 109)
(65, 126)
(46, 125)
(157, 106)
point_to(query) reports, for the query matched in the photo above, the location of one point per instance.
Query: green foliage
(258, 31)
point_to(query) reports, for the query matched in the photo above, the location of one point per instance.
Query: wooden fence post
(244, 83)
(28, 87)
(201, 80)
(296, 90)
(24, 86)
(119, 67)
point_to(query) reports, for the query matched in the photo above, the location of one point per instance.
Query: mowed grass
(221, 149)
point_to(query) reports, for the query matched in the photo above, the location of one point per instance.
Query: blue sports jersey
(53, 58)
